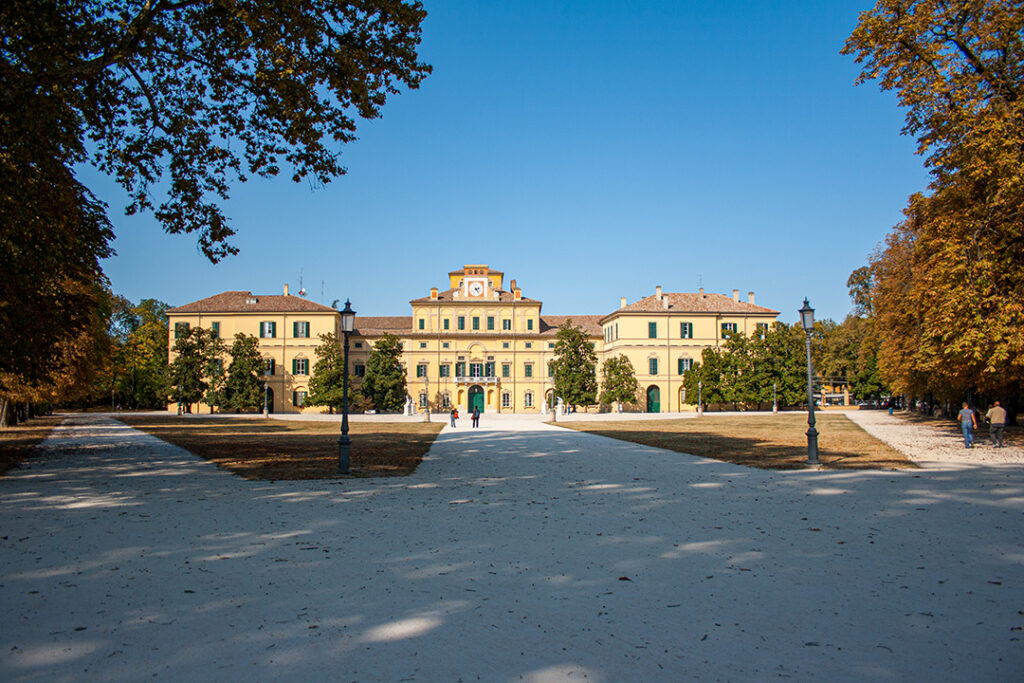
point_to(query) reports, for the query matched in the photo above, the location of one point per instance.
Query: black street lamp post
(348, 318)
(807, 322)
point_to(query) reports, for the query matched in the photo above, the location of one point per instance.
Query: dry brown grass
(765, 441)
(258, 448)
(16, 443)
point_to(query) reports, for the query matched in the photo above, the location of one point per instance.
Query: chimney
(286, 290)
(664, 302)
(517, 294)
(750, 297)
(622, 302)
(512, 286)
(701, 291)
(657, 292)
(433, 293)
(736, 295)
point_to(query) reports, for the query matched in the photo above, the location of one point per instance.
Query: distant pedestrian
(455, 415)
(476, 417)
(996, 417)
(968, 424)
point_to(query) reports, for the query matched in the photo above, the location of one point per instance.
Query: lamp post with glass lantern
(348, 318)
(807, 322)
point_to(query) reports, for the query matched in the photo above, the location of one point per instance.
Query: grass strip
(763, 441)
(17, 443)
(272, 449)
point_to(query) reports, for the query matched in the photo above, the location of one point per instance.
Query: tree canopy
(244, 384)
(326, 386)
(185, 96)
(619, 382)
(384, 383)
(574, 366)
(946, 288)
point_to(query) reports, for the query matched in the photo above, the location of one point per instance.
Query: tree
(325, 386)
(946, 288)
(216, 374)
(384, 383)
(205, 92)
(620, 384)
(574, 366)
(188, 369)
(139, 373)
(244, 384)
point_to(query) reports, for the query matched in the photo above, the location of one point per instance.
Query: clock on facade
(476, 288)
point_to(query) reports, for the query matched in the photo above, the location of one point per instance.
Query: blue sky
(590, 150)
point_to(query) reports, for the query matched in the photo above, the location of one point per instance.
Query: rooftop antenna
(700, 280)
(321, 291)
(302, 290)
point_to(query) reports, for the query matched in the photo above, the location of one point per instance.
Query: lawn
(16, 443)
(765, 441)
(260, 448)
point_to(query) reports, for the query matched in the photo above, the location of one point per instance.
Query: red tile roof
(692, 302)
(393, 324)
(246, 302)
(591, 324)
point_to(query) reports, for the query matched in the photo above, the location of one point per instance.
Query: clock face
(476, 288)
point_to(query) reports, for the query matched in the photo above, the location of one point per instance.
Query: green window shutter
(295, 366)
(462, 322)
(476, 322)
(680, 371)
(652, 330)
(528, 370)
(653, 366)
(529, 324)
(422, 324)
(490, 322)
(446, 323)
(215, 330)
(506, 370)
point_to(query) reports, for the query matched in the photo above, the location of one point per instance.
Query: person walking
(996, 417)
(454, 415)
(476, 417)
(968, 423)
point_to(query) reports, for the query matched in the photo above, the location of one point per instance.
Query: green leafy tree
(384, 383)
(188, 369)
(140, 370)
(216, 374)
(619, 381)
(574, 366)
(325, 386)
(244, 385)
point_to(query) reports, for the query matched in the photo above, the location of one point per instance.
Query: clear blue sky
(590, 150)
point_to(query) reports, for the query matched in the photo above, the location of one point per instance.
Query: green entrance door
(476, 398)
(653, 400)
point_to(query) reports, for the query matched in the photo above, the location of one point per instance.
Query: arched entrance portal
(269, 405)
(476, 398)
(653, 400)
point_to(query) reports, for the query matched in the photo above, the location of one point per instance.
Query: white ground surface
(516, 552)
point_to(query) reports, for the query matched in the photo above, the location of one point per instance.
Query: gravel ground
(931, 446)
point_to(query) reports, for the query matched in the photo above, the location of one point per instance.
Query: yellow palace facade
(477, 344)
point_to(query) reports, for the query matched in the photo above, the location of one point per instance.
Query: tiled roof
(591, 324)
(692, 302)
(247, 302)
(448, 296)
(394, 324)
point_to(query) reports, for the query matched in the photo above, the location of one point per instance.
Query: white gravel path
(520, 552)
(931, 446)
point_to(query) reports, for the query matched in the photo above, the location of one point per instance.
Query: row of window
(475, 323)
(268, 329)
(504, 345)
(300, 366)
(682, 365)
(611, 332)
(506, 400)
